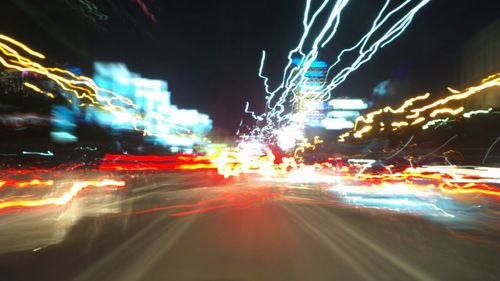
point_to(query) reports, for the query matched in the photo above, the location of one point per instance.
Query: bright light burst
(435, 191)
(390, 22)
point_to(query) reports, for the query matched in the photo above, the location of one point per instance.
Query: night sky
(209, 51)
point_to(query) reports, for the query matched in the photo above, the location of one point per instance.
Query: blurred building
(309, 105)
(317, 115)
(481, 58)
(164, 123)
(343, 113)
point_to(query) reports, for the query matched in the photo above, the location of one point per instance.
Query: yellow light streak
(343, 136)
(22, 46)
(447, 111)
(399, 124)
(418, 120)
(81, 87)
(419, 113)
(36, 182)
(407, 103)
(66, 197)
(467, 93)
(38, 90)
(453, 90)
(359, 134)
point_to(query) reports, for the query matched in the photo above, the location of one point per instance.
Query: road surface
(197, 226)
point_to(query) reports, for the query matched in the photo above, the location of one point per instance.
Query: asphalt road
(195, 226)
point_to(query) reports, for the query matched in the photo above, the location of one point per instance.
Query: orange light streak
(470, 191)
(495, 82)
(66, 197)
(415, 113)
(35, 182)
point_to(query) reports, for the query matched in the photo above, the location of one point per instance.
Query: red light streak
(145, 10)
(126, 162)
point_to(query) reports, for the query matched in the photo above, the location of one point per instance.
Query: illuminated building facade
(308, 105)
(164, 123)
(343, 114)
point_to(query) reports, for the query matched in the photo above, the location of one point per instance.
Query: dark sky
(209, 50)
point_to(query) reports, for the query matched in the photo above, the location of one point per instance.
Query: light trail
(493, 81)
(397, 197)
(21, 45)
(432, 192)
(304, 145)
(448, 111)
(234, 163)
(401, 149)
(471, 180)
(359, 134)
(17, 120)
(35, 182)
(343, 136)
(38, 90)
(63, 199)
(82, 88)
(381, 33)
(475, 112)
(399, 124)
(410, 110)
(26, 184)
(489, 149)
(48, 153)
(471, 190)
(127, 162)
(370, 117)
(436, 123)
(145, 10)
(87, 9)
(418, 120)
